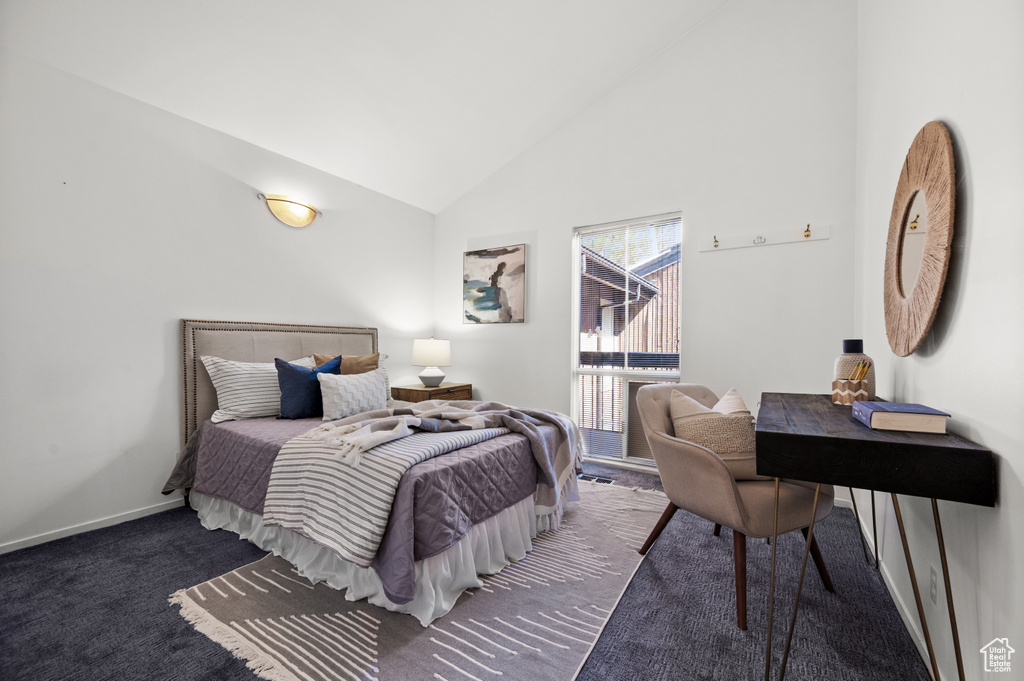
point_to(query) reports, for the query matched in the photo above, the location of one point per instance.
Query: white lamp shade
(430, 352)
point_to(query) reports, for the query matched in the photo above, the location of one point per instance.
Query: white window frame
(624, 374)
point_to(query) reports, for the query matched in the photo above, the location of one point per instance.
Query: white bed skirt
(486, 549)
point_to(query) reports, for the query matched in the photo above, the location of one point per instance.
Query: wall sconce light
(290, 211)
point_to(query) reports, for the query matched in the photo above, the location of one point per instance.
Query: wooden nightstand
(445, 391)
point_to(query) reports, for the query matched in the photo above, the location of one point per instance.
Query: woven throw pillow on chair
(727, 429)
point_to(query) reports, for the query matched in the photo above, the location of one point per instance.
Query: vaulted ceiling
(417, 99)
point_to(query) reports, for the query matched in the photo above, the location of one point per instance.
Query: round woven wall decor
(928, 169)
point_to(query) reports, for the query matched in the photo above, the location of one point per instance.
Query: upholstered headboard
(254, 342)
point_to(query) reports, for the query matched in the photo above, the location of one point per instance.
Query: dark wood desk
(806, 437)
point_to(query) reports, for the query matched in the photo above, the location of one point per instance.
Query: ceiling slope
(419, 100)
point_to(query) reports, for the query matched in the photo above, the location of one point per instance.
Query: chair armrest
(697, 480)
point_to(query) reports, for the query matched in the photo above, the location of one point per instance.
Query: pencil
(856, 370)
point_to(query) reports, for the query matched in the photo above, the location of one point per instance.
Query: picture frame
(494, 285)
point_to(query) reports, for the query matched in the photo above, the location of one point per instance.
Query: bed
(454, 516)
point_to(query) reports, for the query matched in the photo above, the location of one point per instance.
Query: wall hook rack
(764, 238)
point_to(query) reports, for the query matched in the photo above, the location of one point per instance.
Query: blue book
(915, 418)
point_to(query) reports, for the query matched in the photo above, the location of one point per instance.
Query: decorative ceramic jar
(850, 382)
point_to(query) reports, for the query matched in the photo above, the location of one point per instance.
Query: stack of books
(915, 418)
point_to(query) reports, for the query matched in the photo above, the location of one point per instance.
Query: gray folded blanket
(563, 453)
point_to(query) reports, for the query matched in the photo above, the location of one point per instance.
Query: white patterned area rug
(536, 619)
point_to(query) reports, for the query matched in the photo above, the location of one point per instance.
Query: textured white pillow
(246, 390)
(731, 403)
(348, 394)
(727, 429)
(684, 408)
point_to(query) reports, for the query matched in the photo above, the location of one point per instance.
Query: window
(626, 327)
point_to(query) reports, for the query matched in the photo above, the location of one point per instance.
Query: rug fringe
(230, 640)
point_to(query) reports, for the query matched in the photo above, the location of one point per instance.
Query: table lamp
(431, 353)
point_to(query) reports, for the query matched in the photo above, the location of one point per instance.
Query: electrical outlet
(935, 586)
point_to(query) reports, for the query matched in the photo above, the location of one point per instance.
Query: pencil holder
(848, 392)
(853, 355)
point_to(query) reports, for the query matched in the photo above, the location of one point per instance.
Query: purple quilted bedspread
(436, 502)
(439, 499)
(234, 458)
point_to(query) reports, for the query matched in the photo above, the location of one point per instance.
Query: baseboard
(619, 463)
(653, 470)
(908, 613)
(91, 525)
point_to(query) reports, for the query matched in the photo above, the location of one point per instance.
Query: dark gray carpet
(94, 606)
(677, 619)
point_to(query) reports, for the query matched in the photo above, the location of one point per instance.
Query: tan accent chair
(699, 481)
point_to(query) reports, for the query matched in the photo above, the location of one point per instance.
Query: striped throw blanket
(320, 490)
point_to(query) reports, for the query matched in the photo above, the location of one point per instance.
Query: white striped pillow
(246, 390)
(348, 394)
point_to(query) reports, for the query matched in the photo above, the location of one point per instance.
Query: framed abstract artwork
(494, 285)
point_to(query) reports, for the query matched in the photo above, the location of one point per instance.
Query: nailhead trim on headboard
(190, 361)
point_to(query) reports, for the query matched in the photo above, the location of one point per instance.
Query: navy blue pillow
(300, 389)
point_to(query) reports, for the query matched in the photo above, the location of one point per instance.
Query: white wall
(117, 220)
(962, 64)
(744, 125)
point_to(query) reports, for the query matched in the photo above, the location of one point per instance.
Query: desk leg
(860, 532)
(913, 583)
(874, 529)
(800, 582)
(949, 591)
(771, 587)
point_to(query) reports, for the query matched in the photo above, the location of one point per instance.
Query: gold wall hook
(913, 225)
(784, 235)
